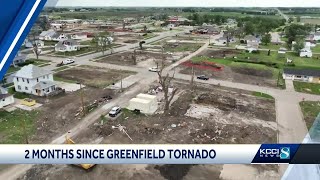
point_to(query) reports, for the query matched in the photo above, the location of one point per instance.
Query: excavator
(84, 166)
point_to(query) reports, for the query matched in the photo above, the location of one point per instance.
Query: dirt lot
(142, 58)
(129, 38)
(235, 72)
(93, 76)
(234, 117)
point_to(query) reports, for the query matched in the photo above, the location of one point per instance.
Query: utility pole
(25, 134)
(121, 82)
(82, 100)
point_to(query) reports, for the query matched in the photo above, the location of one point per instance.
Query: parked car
(115, 111)
(68, 61)
(65, 62)
(203, 77)
(154, 69)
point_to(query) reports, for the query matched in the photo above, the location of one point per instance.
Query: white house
(34, 80)
(59, 37)
(5, 98)
(56, 26)
(47, 35)
(307, 75)
(29, 44)
(317, 36)
(79, 36)
(67, 46)
(18, 59)
(305, 52)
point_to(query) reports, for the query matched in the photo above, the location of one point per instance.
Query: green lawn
(37, 62)
(263, 95)
(50, 43)
(271, 46)
(310, 110)
(12, 123)
(183, 47)
(13, 69)
(316, 49)
(305, 87)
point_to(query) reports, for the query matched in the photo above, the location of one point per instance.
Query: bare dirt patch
(126, 58)
(93, 76)
(58, 114)
(158, 129)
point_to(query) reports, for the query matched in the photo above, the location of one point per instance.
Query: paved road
(291, 126)
(283, 15)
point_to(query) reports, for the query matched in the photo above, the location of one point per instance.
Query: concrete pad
(27, 108)
(9, 108)
(69, 87)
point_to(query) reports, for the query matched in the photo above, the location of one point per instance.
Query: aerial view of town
(161, 75)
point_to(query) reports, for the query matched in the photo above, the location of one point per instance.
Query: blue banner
(16, 19)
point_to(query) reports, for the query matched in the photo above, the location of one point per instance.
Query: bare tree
(35, 44)
(165, 82)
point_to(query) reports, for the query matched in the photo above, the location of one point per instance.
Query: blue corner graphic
(16, 20)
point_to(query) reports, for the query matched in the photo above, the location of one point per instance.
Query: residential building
(5, 98)
(209, 29)
(67, 46)
(59, 37)
(250, 39)
(307, 75)
(56, 26)
(178, 20)
(317, 36)
(306, 52)
(29, 44)
(47, 35)
(18, 59)
(34, 80)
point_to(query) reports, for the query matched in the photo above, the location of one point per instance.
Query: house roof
(302, 72)
(48, 33)
(70, 42)
(31, 72)
(44, 85)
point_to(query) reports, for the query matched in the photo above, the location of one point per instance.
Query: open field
(13, 125)
(310, 110)
(232, 116)
(92, 76)
(311, 20)
(212, 64)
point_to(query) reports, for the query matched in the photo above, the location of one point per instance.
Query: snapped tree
(165, 82)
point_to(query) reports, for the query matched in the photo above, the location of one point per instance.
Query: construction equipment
(84, 166)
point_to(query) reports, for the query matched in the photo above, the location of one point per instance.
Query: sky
(191, 3)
